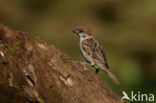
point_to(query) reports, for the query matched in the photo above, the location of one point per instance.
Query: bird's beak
(75, 31)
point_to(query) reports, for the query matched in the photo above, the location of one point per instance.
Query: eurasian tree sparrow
(92, 52)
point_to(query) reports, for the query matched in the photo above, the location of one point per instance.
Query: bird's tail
(112, 76)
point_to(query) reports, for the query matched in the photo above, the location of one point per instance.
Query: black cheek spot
(80, 31)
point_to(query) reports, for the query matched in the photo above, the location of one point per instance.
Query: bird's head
(82, 32)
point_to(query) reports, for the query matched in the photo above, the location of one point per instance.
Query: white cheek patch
(83, 35)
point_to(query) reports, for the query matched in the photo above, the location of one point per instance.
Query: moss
(33, 37)
(8, 93)
(17, 44)
(15, 49)
(10, 51)
(49, 68)
(3, 79)
(38, 39)
(65, 60)
(52, 91)
(55, 94)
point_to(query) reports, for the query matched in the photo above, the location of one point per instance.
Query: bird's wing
(93, 48)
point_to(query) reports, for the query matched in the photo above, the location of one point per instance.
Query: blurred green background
(125, 28)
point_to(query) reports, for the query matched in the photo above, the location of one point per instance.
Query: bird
(93, 52)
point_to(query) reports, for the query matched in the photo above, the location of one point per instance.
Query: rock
(39, 73)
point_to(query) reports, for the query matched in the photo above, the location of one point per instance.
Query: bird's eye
(81, 31)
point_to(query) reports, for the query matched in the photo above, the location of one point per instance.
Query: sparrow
(92, 52)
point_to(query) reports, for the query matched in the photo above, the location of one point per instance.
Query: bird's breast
(85, 54)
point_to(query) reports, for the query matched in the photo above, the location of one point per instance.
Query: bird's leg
(93, 64)
(97, 70)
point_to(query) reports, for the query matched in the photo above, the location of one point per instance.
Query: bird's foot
(97, 70)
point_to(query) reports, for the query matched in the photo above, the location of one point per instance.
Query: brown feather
(87, 30)
(92, 48)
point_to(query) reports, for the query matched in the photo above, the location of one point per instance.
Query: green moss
(55, 94)
(49, 68)
(15, 49)
(37, 39)
(65, 60)
(3, 78)
(17, 44)
(52, 91)
(10, 94)
(10, 51)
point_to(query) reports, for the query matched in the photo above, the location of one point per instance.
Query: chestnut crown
(82, 31)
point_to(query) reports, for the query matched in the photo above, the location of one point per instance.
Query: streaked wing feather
(92, 47)
(103, 55)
